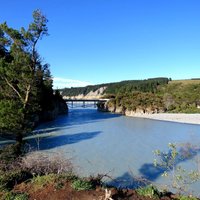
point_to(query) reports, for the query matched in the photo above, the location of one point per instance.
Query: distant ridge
(127, 86)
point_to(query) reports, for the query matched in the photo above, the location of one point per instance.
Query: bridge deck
(86, 100)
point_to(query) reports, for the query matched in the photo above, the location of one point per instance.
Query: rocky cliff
(97, 94)
(109, 107)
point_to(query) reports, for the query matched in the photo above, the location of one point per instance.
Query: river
(119, 146)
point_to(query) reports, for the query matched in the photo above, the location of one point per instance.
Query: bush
(149, 191)
(8, 154)
(81, 184)
(9, 179)
(39, 163)
(180, 179)
(15, 196)
(41, 181)
(187, 198)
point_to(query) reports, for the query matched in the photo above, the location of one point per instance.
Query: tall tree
(21, 75)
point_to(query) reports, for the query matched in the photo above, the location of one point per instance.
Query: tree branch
(15, 90)
(27, 95)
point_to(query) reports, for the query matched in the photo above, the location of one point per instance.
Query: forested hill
(146, 96)
(148, 85)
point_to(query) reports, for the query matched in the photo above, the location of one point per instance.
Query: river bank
(156, 114)
(172, 117)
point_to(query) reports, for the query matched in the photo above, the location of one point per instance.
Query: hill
(148, 85)
(144, 96)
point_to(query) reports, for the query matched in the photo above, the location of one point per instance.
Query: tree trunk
(19, 142)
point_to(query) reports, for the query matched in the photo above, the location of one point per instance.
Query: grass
(185, 82)
(187, 198)
(14, 196)
(149, 191)
(81, 184)
(39, 182)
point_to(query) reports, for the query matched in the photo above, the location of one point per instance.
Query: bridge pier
(83, 104)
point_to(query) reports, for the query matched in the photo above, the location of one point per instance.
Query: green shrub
(41, 181)
(180, 179)
(187, 198)
(15, 196)
(149, 191)
(10, 178)
(79, 184)
(8, 154)
(59, 185)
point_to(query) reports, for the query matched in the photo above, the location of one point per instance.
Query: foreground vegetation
(39, 175)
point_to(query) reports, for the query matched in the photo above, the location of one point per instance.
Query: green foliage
(139, 100)
(59, 185)
(26, 94)
(11, 177)
(149, 191)
(39, 182)
(8, 154)
(180, 97)
(15, 196)
(81, 184)
(154, 95)
(187, 198)
(21, 75)
(149, 85)
(169, 162)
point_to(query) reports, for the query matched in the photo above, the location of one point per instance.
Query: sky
(101, 41)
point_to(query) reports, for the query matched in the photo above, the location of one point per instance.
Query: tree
(21, 76)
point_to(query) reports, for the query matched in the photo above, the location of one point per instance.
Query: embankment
(155, 114)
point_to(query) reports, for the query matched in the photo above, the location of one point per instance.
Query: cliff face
(97, 94)
(109, 107)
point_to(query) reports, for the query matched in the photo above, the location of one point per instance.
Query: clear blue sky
(97, 41)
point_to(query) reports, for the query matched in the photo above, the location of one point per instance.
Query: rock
(111, 108)
(97, 94)
(140, 111)
(119, 110)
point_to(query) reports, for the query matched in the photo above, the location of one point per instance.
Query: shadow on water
(48, 142)
(150, 172)
(129, 181)
(75, 117)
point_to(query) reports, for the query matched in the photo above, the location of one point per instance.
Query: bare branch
(27, 94)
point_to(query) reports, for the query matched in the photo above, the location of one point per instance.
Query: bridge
(84, 102)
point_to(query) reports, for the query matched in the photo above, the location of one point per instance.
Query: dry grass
(185, 82)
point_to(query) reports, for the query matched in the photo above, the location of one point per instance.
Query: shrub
(81, 184)
(8, 154)
(187, 198)
(169, 161)
(149, 191)
(41, 181)
(39, 163)
(15, 196)
(9, 179)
